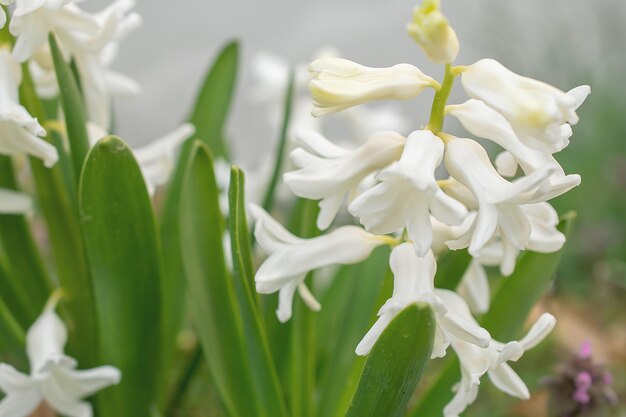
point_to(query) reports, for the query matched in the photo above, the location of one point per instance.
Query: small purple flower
(581, 387)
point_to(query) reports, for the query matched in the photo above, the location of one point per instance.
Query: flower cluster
(394, 186)
(90, 41)
(581, 387)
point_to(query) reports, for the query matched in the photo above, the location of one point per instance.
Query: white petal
(45, 341)
(474, 287)
(539, 331)
(84, 383)
(13, 202)
(367, 343)
(64, 403)
(465, 330)
(12, 380)
(20, 404)
(512, 351)
(506, 380)
(315, 142)
(285, 300)
(506, 164)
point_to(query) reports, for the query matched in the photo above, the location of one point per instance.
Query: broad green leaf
(209, 116)
(510, 306)
(395, 364)
(348, 305)
(74, 108)
(124, 255)
(450, 269)
(60, 210)
(268, 200)
(211, 291)
(264, 376)
(214, 99)
(27, 277)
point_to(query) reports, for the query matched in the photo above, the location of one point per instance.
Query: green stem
(193, 364)
(437, 115)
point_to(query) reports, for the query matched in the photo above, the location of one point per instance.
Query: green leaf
(124, 254)
(27, 279)
(60, 209)
(13, 334)
(349, 303)
(211, 292)
(209, 116)
(302, 328)
(450, 269)
(73, 107)
(395, 364)
(214, 99)
(268, 200)
(264, 376)
(510, 307)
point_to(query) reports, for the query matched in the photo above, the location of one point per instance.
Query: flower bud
(431, 31)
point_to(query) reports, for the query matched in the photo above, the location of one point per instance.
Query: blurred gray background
(556, 40)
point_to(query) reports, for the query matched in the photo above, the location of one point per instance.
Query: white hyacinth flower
(157, 159)
(19, 131)
(329, 173)
(291, 258)
(498, 200)
(538, 113)
(53, 375)
(13, 202)
(339, 84)
(414, 283)
(476, 361)
(484, 122)
(32, 21)
(431, 31)
(408, 193)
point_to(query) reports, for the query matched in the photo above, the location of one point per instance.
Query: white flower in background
(476, 361)
(53, 375)
(330, 173)
(484, 122)
(537, 112)
(414, 283)
(431, 31)
(339, 84)
(33, 20)
(408, 193)
(498, 200)
(19, 131)
(13, 202)
(291, 258)
(157, 159)
(90, 39)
